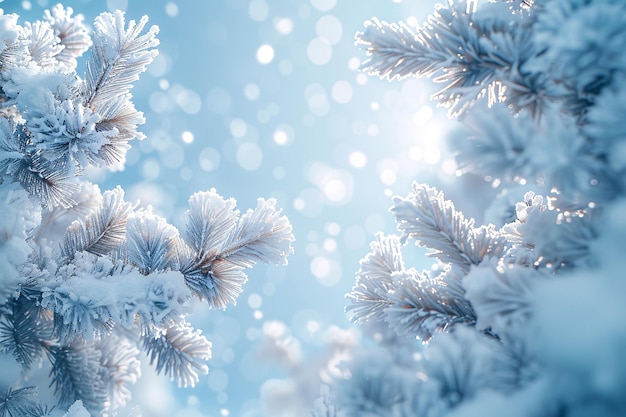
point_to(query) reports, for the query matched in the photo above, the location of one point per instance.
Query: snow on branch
(219, 244)
(84, 275)
(150, 241)
(118, 56)
(411, 303)
(76, 376)
(473, 52)
(423, 306)
(369, 296)
(71, 32)
(103, 231)
(19, 402)
(434, 223)
(24, 330)
(179, 352)
(262, 235)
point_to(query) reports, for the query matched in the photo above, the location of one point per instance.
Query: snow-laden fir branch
(179, 352)
(422, 306)
(97, 373)
(70, 31)
(86, 277)
(89, 300)
(20, 402)
(119, 55)
(261, 235)
(210, 219)
(509, 149)
(66, 123)
(550, 237)
(76, 375)
(150, 242)
(25, 331)
(426, 216)
(18, 158)
(473, 52)
(120, 368)
(411, 303)
(555, 264)
(374, 279)
(101, 232)
(219, 244)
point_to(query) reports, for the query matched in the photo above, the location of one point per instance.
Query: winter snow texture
(88, 279)
(524, 316)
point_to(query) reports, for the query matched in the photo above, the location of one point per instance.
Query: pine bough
(526, 316)
(88, 280)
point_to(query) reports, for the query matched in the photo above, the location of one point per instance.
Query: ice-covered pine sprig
(89, 279)
(55, 124)
(219, 244)
(540, 238)
(124, 273)
(412, 302)
(469, 47)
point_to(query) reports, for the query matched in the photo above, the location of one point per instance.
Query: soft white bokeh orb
(319, 51)
(249, 156)
(329, 28)
(265, 54)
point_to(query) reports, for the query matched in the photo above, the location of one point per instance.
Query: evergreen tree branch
(19, 402)
(434, 223)
(150, 242)
(262, 235)
(210, 219)
(179, 352)
(120, 368)
(471, 52)
(220, 244)
(369, 296)
(118, 56)
(72, 33)
(25, 331)
(76, 375)
(422, 306)
(102, 232)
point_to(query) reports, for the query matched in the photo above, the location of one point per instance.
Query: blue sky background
(262, 98)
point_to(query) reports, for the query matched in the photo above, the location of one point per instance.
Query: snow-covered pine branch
(71, 32)
(57, 124)
(426, 216)
(103, 231)
(369, 296)
(150, 242)
(411, 303)
(118, 56)
(20, 402)
(473, 52)
(218, 244)
(179, 352)
(422, 306)
(548, 299)
(89, 279)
